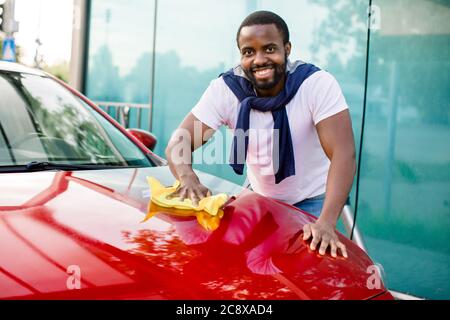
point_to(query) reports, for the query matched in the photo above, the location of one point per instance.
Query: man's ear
(287, 48)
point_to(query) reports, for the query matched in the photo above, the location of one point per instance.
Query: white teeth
(263, 72)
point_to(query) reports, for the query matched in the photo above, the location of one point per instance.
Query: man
(313, 152)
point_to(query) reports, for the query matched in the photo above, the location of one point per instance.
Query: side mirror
(147, 139)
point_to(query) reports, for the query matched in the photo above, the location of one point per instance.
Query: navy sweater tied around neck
(245, 93)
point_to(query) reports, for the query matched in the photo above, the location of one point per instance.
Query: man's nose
(260, 58)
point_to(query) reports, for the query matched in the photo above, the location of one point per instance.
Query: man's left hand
(323, 233)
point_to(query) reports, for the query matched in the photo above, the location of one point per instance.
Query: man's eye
(270, 50)
(247, 52)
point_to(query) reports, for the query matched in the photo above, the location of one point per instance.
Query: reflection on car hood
(60, 227)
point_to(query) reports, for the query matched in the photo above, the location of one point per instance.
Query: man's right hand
(179, 155)
(191, 188)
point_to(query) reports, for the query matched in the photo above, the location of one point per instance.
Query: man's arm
(336, 136)
(190, 135)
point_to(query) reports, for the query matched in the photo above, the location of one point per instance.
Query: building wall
(405, 167)
(404, 184)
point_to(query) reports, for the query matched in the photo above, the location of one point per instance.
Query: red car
(73, 195)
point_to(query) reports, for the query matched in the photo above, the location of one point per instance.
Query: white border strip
(403, 296)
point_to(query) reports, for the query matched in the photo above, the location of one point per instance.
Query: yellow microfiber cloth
(207, 211)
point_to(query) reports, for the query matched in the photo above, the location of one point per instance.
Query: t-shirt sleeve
(325, 97)
(212, 106)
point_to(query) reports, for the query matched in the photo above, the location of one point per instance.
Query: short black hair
(265, 17)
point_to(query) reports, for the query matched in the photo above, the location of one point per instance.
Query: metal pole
(11, 4)
(152, 85)
(139, 116)
(78, 54)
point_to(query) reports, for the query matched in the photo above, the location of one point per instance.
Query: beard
(279, 74)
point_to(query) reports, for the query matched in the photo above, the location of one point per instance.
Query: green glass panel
(405, 175)
(120, 53)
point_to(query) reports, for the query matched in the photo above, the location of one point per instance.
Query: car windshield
(43, 122)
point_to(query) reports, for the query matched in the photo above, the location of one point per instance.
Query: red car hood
(57, 227)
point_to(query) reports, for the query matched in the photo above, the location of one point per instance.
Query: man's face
(263, 57)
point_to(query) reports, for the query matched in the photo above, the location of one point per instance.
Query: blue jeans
(312, 205)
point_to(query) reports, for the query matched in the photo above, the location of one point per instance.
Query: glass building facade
(165, 53)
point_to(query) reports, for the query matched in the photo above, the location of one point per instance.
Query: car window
(40, 120)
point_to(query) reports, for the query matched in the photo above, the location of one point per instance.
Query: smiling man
(306, 156)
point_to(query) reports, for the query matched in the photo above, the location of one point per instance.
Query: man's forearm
(182, 171)
(339, 183)
(181, 167)
(176, 171)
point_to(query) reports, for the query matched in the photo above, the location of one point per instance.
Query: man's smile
(266, 76)
(264, 73)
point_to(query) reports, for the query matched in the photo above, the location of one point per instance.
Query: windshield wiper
(42, 166)
(45, 165)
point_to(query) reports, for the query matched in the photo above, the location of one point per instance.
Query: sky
(51, 21)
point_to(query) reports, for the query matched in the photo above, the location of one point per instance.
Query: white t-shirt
(318, 98)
